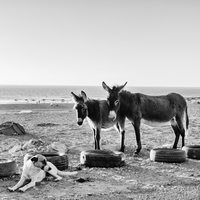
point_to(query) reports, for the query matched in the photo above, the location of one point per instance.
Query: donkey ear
(105, 87)
(74, 97)
(34, 159)
(121, 87)
(83, 94)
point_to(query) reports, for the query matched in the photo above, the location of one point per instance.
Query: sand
(140, 178)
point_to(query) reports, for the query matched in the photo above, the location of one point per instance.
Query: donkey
(151, 110)
(96, 112)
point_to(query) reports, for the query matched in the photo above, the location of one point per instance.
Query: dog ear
(34, 159)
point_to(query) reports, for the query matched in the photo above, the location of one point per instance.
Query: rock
(59, 147)
(15, 149)
(27, 145)
(32, 144)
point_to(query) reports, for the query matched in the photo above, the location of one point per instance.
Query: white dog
(35, 169)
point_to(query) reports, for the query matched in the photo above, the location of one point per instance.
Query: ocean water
(43, 94)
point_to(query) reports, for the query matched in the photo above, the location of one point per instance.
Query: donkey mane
(82, 99)
(115, 88)
(127, 92)
(93, 101)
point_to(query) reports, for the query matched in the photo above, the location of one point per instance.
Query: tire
(60, 161)
(12, 128)
(102, 158)
(19, 129)
(167, 155)
(7, 167)
(192, 151)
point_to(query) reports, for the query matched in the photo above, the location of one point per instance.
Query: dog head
(40, 161)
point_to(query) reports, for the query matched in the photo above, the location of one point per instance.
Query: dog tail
(62, 173)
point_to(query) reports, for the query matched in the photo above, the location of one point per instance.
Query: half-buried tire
(167, 155)
(60, 161)
(192, 151)
(102, 158)
(7, 167)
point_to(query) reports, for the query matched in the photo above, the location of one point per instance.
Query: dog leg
(31, 184)
(19, 184)
(37, 178)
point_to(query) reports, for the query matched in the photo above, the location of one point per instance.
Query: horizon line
(62, 85)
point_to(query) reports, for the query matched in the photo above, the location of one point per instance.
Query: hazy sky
(85, 42)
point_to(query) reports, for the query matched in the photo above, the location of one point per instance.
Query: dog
(35, 169)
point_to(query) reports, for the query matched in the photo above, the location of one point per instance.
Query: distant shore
(35, 101)
(54, 102)
(193, 99)
(33, 106)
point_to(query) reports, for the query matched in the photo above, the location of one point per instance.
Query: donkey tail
(186, 122)
(187, 118)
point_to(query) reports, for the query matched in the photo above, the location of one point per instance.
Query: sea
(62, 94)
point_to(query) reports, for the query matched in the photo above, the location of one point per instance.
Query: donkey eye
(83, 110)
(116, 102)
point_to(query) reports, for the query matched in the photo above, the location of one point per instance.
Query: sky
(85, 42)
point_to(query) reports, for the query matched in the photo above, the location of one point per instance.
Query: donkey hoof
(137, 152)
(122, 149)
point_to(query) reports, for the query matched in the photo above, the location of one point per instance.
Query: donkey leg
(183, 137)
(177, 135)
(120, 127)
(96, 138)
(95, 141)
(137, 134)
(122, 140)
(181, 130)
(94, 132)
(122, 147)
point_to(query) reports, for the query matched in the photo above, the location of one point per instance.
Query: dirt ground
(140, 178)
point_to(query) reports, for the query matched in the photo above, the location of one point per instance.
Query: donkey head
(113, 99)
(80, 106)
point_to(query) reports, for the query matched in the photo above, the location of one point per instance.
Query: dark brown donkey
(96, 112)
(151, 110)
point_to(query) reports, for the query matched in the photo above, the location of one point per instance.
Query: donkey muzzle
(79, 121)
(112, 115)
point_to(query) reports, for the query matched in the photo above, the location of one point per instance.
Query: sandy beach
(140, 178)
